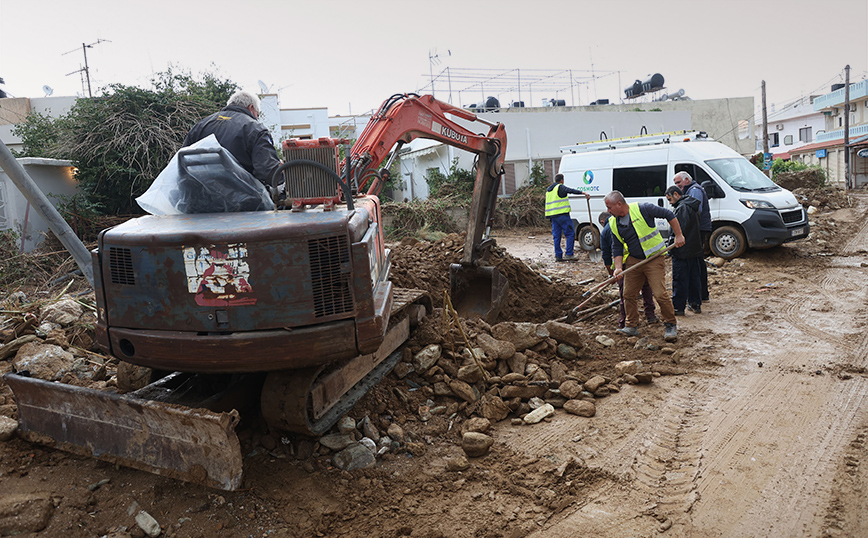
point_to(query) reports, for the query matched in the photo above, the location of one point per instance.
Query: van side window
(698, 174)
(640, 181)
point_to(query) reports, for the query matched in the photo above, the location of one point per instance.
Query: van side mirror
(712, 190)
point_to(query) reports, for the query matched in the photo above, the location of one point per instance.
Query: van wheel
(727, 242)
(589, 238)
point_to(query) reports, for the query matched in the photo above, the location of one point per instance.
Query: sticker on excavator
(219, 276)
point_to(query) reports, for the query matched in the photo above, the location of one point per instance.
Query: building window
(805, 134)
(774, 140)
(788, 140)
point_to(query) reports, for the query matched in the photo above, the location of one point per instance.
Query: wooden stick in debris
(457, 321)
(614, 279)
(599, 309)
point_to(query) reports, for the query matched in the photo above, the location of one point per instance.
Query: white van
(747, 208)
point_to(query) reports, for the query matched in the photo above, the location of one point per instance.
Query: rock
(7, 428)
(64, 313)
(717, 262)
(514, 378)
(582, 408)
(355, 456)
(627, 367)
(537, 415)
(476, 444)
(667, 350)
(602, 392)
(559, 371)
(567, 352)
(631, 379)
(346, 425)
(605, 340)
(565, 333)
(644, 377)
(24, 513)
(463, 390)
(43, 361)
(470, 373)
(493, 408)
(47, 328)
(369, 430)
(812, 210)
(536, 403)
(396, 433)
(457, 463)
(337, 441)
(539, 377)
(427, 358)
(525, 393)
(424, 413)
(570, 389)
(517, 363)
(494, 348)
(368, 443)
(522, 335)
(403, 369)
(442, 389)
(641, 343)
(147, 523)
(594, 383)
(476, 424)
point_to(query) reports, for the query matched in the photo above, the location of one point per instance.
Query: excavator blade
(194, 445)
(478, 291)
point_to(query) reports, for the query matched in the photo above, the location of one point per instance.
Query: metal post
(765, 128)
(847, 128)
(40, 203)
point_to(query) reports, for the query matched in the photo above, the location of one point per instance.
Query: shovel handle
(613, 279)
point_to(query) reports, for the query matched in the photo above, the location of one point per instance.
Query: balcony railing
(836, 98)
(859, 130)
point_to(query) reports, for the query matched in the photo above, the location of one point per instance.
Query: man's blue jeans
(563, 225)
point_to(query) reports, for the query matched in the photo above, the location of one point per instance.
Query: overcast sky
(350, 55)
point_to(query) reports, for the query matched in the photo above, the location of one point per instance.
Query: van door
(640, 175)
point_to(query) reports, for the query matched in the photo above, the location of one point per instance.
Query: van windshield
(741, 175)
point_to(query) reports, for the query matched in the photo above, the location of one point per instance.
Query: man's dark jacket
(687, 212)
(246, 139)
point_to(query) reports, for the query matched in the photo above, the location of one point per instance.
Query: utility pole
(86, 69)
(847, 127)
(765, 130)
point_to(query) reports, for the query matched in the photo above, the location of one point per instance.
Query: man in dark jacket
(238, 129)
(686, 286)
(691, 188)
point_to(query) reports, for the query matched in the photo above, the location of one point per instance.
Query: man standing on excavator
(237, 128)
(558, 211)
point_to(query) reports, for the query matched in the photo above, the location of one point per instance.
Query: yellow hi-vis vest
(555, 205)
(649, 237)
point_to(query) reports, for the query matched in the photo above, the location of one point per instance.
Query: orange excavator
(289, 309)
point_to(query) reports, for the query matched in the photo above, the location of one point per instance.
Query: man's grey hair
(615, 197)
(683, 175)
(244, 99)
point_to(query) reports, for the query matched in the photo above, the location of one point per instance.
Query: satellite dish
(48, 90)
(263, 86)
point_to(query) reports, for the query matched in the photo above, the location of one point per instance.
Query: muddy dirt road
(755, 425)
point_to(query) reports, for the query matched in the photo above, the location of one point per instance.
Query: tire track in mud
(668, 465)
(766, 450)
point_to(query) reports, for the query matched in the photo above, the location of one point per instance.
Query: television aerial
(48, 90)
(263, 86)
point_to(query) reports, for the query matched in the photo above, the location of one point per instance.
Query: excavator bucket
(194, 445)
(478, 291)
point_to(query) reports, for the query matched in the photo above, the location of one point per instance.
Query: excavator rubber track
(311, 400)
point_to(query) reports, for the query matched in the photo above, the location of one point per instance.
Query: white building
(790, 127)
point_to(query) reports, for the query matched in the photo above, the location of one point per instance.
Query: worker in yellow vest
(635, 231)
(558, 211)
